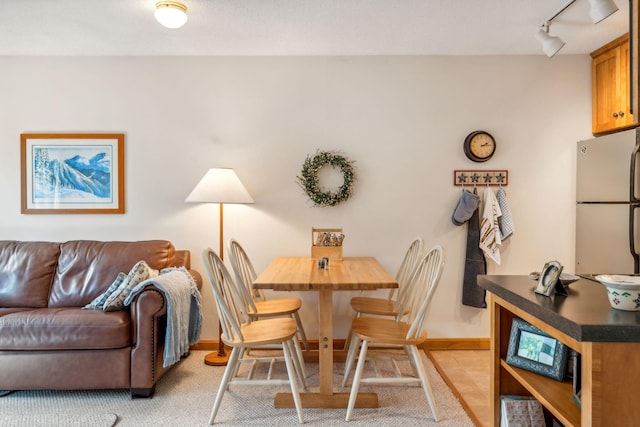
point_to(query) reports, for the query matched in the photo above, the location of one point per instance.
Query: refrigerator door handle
(632, 172)
(632, 238)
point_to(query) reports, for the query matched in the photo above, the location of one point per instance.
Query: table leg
(325, 361)
(326, 398)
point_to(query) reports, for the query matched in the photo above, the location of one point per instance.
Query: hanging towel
(490, 240)
(506, 220)
(474, 264)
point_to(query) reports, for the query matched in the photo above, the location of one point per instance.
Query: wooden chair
(240, 333)
(259, 306)
(388, 306)
(408, 334)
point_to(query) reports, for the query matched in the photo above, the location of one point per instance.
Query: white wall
(402, 119)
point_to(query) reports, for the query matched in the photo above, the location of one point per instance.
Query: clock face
(479, 146)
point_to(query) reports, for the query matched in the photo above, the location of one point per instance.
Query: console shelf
(608, 341)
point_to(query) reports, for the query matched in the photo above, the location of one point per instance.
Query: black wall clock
(479, 146)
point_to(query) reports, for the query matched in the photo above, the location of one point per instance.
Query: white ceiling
(301, 27)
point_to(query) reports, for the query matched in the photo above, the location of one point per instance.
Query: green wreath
(308, 179)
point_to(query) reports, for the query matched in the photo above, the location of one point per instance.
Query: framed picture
(549, 278)
(72, 173)
(533, 350)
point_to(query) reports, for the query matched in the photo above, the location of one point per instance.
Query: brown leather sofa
(48, 341)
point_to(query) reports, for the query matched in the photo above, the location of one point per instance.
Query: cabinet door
(605, 88)
(624, 94)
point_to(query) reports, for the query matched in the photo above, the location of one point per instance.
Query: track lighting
(598, 11)
(550, 45)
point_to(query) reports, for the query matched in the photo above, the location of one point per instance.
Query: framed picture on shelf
(548, 282)
(531, 349)
(72, 173)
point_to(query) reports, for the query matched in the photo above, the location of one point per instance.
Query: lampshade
(171, 14)
(600, 9)
(550, 45)
(220, 185)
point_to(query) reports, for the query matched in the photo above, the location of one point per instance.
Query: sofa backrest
(27, 262)
(86, 268)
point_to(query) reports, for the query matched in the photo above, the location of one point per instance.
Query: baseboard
(456, 344)
(430, 344)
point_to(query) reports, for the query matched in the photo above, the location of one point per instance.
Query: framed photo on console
(531, 349)
(549, 280)
(79, 173)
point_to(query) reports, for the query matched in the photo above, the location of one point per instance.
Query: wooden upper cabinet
(611, 103)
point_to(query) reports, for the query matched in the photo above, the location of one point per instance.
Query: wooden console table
(607, 339)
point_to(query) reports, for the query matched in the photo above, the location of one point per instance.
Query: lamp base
(214, 359)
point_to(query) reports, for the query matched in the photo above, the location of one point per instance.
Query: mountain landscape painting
(72, 174)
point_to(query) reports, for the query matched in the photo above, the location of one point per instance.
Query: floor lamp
(220, 186)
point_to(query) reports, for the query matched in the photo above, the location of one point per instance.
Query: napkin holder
(326, 242)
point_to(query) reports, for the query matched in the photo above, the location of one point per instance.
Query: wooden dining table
(346, 274)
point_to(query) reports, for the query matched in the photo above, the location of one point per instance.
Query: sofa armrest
(148, 318)
(183, 258)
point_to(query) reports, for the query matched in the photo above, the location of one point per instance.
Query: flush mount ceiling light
(171, 14)
(599, 10)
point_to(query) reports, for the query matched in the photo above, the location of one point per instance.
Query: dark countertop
(585, 314)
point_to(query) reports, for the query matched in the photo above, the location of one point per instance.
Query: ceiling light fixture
(171, 14)
(550, 44)
(599, 10)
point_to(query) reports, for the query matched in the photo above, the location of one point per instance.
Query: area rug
(184, 397)
(58, 420)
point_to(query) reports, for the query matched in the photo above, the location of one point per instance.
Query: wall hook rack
(481, 177)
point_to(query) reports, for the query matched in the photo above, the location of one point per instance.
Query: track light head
(601, 9)
(550, 45)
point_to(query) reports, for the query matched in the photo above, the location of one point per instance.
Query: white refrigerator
(608, 204)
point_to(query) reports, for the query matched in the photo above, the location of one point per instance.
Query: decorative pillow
(98, 302)
(140, 272)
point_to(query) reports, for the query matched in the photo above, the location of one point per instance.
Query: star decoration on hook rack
(482, 177)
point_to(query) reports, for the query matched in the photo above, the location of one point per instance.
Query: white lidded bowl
(623, 291)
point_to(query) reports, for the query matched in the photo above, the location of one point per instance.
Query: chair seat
(388, 331)
(374, 306)
(268, 331)
(277, 307)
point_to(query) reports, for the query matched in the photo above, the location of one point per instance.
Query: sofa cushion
(26, 272)
(139, 273)
(87, 268)
(64, 329)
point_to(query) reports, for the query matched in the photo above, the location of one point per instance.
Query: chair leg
(356, 379)
(347, 341)
(426, 386)
(293, 382)
(351, 356)
(298, 362)
(224, 383)
(301, 331)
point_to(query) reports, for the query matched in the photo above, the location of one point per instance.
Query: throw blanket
(184, 313)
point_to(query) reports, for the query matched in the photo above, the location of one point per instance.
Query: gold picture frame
(72, 173)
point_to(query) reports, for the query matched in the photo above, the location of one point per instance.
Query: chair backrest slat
(232, 311)
(423, 284)
(245, 273)
(408, 265)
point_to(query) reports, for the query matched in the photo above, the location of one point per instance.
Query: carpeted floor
(184, 397)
